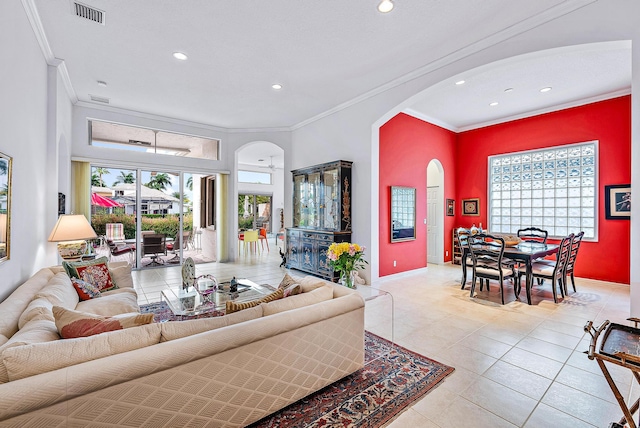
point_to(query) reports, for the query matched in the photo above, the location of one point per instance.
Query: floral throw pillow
(72, 324)
(95, 272)
(85, 290)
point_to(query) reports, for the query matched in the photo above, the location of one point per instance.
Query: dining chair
(487, 253)
(462, 235)
(262, 237)
(533, 234)
(249, 237)
(175, 246)
(553, 270)
(573, 255)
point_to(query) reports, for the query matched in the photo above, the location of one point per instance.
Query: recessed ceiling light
(276, 86)
(460, 82)
(493, 104)
(102, 83)
(179, 55)
(509, 90)
(547, 89)
(385, 6)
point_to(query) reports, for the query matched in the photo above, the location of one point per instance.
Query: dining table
(526, 253)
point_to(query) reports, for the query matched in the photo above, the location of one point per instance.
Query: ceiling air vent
(87, 12)
(99, 99)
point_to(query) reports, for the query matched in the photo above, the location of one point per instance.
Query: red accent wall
(607, 121)
(407, 145)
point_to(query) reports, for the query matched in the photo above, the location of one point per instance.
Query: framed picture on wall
(617, 202)
(450, 207)
(471, 206)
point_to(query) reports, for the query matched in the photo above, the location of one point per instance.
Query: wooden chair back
(533, 234)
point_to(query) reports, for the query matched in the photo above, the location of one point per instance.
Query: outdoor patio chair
(175, 246)
(154, 244)
(114, 232)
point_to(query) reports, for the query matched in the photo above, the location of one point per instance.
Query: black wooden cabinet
(321, 215)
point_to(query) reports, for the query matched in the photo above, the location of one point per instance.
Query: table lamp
(71, 232)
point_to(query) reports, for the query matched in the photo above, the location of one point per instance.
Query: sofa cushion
(310, 283)
(176, 329)
(290, 286)
(318, 295)
(14, 305)
(238, 306)
(34, 331)
(72, 323)
(58, 291)
(85, 290)
(33, 359)
(114, 302)
(95, 272)
(121, 274)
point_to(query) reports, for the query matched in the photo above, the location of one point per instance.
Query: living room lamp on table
(71, 232)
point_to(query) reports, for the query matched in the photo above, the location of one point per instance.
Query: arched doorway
(435, 212)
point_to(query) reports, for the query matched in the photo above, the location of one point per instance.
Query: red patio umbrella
(102, 201)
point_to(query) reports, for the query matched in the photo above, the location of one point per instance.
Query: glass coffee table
(196, 302)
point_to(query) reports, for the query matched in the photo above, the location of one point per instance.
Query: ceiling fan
(271, 166)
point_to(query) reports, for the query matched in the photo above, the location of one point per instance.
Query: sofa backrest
(13, 306)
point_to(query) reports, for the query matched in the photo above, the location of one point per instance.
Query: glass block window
(553, 189)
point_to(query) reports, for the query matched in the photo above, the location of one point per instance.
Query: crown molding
(558, 107)
(432, 120)
(38, 30)
(495, 38)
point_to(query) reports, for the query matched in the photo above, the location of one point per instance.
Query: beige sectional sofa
(223, 371)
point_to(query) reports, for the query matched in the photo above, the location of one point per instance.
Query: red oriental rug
(392, 379)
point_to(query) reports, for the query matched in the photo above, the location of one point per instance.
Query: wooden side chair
(487, 252)
(533, 234)
(462, 235)
(573, 255)
(552, 270)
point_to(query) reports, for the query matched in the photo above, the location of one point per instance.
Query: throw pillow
(72, 323)
(233, 306)
(85, 290)
(290, 286)
(94, 272)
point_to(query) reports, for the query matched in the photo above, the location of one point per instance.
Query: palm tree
(99, 171)
(160, 181)
(4, 191)
(125, 178)
(96, 181)
(190, 183)
(4, 167)
(185, 199)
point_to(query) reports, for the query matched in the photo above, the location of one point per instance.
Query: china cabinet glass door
(331, 190)
(313, 200)
(298, 199)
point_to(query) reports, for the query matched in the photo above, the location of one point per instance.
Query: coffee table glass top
(195, 302)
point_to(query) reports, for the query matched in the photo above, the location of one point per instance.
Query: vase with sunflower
(346, 258)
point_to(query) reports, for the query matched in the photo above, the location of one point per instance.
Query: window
(254, 177)
(125, 137)
(554, 189)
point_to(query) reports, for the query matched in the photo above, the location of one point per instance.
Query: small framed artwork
(450, 207)
(471, 206)
(617, 202)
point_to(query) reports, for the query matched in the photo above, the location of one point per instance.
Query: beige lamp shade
(70, 231)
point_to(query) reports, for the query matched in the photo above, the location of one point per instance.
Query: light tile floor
(516, 365)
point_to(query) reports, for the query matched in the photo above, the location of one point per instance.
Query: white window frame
(496, 208)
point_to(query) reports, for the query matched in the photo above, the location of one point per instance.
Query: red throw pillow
(85, 290)
(95, 272)
(71, 324)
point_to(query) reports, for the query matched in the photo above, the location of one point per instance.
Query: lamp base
(72, 250)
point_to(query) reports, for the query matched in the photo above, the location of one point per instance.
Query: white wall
(30, 92)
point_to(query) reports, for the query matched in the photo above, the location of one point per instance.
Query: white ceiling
(326, 54)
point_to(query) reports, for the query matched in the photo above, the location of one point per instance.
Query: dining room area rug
(392, 379)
